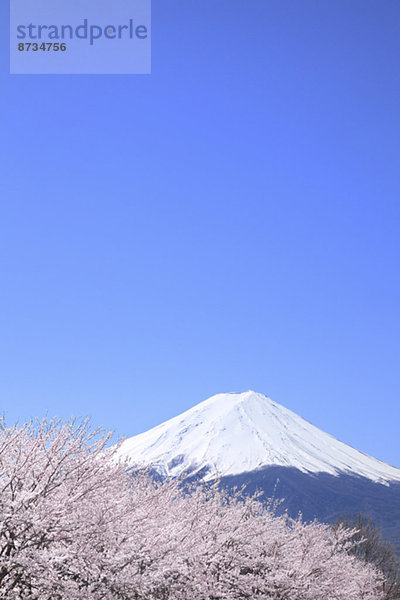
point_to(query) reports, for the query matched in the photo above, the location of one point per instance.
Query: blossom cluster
(75, 525)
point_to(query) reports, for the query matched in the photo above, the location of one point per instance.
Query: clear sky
(229, 222)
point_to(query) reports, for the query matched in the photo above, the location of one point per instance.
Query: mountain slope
(231, 434)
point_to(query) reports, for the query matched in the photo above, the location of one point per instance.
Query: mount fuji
(248, 439)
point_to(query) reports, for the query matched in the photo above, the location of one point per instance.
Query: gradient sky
(229, 222)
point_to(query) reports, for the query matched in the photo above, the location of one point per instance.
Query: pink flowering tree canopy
(76, 525)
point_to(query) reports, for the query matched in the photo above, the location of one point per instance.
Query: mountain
(247, 439)
(229, 434)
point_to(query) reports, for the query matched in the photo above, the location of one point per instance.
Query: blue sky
(229, 222)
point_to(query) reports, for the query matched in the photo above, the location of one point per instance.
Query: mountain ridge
(235, 433)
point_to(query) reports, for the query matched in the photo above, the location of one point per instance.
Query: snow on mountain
(229, 434)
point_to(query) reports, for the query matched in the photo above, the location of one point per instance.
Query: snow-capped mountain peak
(234, 433)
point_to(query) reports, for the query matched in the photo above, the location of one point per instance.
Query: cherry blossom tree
(75, 525)
(372, 548)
